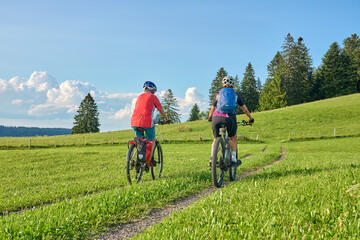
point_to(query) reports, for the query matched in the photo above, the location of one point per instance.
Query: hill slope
(301, 121)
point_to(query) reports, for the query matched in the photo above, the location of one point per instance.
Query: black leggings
(230, 122)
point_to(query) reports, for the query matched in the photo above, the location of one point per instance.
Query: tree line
(32, 131)
(292, 79)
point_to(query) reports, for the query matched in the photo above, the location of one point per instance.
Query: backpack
(227, 101)
(144, 148)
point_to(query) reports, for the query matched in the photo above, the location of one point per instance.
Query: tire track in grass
(128, 230)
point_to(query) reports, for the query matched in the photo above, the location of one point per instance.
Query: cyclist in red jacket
(143, 114)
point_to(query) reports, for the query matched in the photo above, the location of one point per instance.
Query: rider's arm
(246, 111)
(212, 109)
(161, 111)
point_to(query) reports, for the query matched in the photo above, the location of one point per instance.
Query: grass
(75, 191)
(81, 214)
(309, 195)
(302, 121)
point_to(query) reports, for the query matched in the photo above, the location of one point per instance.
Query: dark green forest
(32, 131)
(292, 79)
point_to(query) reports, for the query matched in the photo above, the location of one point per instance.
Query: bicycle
(136, 167)
(221, 160)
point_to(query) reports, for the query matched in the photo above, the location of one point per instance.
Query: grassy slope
(185, 173)
(313, 193)
(304, 120)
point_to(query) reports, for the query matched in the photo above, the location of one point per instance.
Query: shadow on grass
(298, 172)
(305, 139)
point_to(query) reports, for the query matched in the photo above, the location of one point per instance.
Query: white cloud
(42, 100)
(17, 101)
(41, 81)
(125, 112)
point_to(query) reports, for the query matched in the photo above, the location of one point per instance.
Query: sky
(52, 53)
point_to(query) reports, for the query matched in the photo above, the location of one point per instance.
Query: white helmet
(228, 80)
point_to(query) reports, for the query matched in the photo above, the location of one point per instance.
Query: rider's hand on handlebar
(168, 121)
(251, 121)
(210, 119)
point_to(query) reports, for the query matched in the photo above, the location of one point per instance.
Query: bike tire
(217, 162)
(134, 169)
(158, 158)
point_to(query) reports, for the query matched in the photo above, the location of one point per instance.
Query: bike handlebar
(244, 123)
(163, 122)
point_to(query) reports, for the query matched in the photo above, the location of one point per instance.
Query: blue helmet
(150, 85)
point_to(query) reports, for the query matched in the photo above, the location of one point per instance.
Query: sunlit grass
(307, 195)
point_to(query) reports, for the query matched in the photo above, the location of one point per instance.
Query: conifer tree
(170, 106)
(194, 113)
(259, 86)
(338, 75)
(273, 95)
(352, 49)
(216, 84)
(249, 89)
(297, 70)
(87, 119)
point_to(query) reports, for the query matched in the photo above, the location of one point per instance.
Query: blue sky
(53, 52)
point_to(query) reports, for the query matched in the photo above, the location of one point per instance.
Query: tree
(273, 95)
(338, 75)
(194, 113)
(297, 70)
(170, 106)
(87, 119)
(216, 84)
(249, 89)
(352, 49)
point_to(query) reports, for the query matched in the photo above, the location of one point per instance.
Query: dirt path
(155, 216)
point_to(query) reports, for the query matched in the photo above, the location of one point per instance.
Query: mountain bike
(135, 167)
(221, 160)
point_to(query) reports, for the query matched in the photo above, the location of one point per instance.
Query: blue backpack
(227, 101)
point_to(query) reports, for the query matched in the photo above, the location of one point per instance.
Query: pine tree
(273, 95)
(259, 86)
(194, 113)
(352, 49)
(87, 119)
(337, 72)
(216, 84)
(170, 106)
(297, 78)
(249, 89)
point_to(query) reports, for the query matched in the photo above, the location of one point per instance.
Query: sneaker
(237, 163)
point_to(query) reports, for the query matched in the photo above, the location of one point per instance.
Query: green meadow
(75, 187)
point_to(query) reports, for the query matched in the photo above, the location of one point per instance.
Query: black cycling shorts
(230, 122)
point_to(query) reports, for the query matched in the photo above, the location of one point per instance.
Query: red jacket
(144, 110)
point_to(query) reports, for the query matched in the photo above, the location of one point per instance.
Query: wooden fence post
(257, 137)
(113, 140)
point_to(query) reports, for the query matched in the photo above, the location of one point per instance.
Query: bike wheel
(134, 169)
(217, 162)
(232, 171)
(156, 171)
